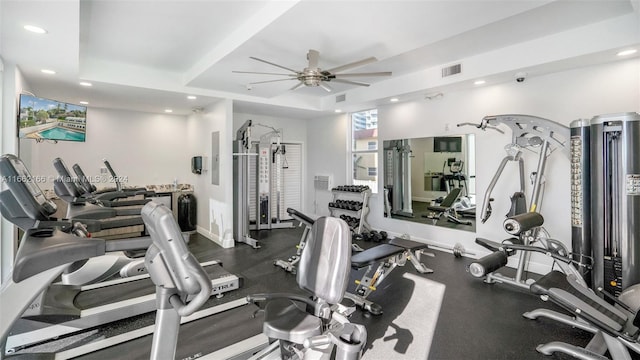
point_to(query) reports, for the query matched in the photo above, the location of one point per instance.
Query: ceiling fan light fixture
(313, 76)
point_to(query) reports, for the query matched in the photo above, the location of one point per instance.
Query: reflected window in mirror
(364, 148)
(431, 180)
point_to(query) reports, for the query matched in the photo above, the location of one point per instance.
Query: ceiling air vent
(341, 98)
(452, 70)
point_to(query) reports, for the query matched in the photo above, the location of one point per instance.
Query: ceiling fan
(312, 75)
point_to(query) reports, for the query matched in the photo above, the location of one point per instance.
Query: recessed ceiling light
(85, 83)
(191, 97)
(35, 29)
(627, 52)
(168, 110)
(479, 82)
(393, 99)
(337, 110)
(84, 102)
(47, 71)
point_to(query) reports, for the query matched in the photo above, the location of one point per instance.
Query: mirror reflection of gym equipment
(419, 175)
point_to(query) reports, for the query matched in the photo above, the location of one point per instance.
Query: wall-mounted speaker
(196, 165)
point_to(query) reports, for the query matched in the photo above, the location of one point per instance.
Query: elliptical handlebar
(170, 264)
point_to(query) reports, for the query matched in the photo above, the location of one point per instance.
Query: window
(364, 148)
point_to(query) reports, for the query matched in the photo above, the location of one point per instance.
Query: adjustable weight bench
(447, 208)
(395, 253)
(387, 256)
(615, 328)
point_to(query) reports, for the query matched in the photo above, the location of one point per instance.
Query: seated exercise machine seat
(309, 324)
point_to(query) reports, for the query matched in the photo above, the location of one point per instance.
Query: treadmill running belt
(196, 338)
(101, 296)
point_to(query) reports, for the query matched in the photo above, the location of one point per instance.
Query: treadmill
(34, 308)
(111, 196)
(74, 191)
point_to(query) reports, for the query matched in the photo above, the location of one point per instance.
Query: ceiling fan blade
(353, 64)
(313, 56)
(270, 63)
(297, 86)
(261, 73)
(381, 73)
(350, 82)
(268, 81)
(325, 86)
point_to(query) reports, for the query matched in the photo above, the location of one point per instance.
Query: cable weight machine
(397, 173)
(605, 198)
(266, 171)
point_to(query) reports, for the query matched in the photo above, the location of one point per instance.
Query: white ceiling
(148, 55)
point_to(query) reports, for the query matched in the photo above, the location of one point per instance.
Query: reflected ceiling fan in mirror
(312, 75)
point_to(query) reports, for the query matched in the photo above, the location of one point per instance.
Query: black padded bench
(388, 256)
(381, 252)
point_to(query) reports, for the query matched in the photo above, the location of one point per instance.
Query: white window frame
(351, 171)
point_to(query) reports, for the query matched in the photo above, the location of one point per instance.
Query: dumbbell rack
(359, 201)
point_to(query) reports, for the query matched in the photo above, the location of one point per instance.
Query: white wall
(12, 84)
(215, 202)
(143, 147)
(327, 144)
(561, 97)
(293, 130)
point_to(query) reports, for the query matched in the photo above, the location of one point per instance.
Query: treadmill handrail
(113, 174)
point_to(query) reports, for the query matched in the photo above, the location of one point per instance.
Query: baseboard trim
(223, 242)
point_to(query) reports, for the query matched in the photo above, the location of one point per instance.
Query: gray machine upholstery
(329, 253)
(324, 272)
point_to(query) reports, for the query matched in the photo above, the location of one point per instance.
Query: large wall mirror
(431, 180)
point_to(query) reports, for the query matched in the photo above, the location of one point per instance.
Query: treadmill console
(23, 190)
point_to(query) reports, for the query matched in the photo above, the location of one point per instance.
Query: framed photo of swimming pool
(45, 119)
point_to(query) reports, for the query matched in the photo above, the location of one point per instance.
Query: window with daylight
(364, 148)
